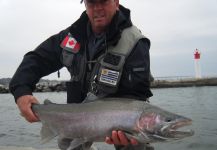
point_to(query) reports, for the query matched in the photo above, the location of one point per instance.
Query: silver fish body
(93, 121)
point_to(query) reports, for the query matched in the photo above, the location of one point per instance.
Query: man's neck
(98, 31)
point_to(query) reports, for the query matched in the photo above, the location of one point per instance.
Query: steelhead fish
(93, 121)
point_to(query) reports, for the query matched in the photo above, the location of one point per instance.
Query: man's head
(100, 13)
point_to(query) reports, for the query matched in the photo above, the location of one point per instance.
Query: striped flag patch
(109, 76)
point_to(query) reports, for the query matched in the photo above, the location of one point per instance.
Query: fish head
(158, 125)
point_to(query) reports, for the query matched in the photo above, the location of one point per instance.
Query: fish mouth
(176, 130)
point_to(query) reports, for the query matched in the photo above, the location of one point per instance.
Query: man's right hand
(24, 104)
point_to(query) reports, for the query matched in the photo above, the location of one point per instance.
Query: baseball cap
(88, 1)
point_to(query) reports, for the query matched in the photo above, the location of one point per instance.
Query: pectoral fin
(129, 135)
(141, 137)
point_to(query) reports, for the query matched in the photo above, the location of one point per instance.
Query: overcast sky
(175, 27)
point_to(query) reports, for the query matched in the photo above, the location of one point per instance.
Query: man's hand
(119, 138)
(24, 104)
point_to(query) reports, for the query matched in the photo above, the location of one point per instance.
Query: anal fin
(46, 133)
(75, 143)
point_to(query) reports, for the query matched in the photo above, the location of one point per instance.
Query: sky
(175, 27)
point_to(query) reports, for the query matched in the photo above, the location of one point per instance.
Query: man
(105, 55)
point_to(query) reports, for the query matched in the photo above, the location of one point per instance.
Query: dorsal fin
(47, 101)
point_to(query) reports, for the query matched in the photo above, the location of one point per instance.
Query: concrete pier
(21, 148)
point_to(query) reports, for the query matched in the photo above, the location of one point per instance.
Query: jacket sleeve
(45, 59)
(135, 81)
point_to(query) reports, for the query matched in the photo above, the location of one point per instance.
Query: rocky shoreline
(57, 86)
(191, 82)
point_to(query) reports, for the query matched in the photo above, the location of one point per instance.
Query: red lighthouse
(197, 64)
(197, 54)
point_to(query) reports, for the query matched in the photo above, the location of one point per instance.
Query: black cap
(89, 0)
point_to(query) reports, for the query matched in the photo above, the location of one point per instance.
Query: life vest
(108, 68)
(107, 72)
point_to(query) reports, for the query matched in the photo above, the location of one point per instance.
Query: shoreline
(191, 82)
(57, 86)
(23, 148)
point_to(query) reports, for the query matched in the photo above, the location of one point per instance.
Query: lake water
(198, 103)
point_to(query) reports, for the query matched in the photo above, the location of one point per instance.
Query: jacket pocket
(68, 58)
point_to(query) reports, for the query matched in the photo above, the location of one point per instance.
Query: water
(198, 103)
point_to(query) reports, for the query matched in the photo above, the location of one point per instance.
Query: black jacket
(47, 58)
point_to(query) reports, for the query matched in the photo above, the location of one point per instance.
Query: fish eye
(168, 119)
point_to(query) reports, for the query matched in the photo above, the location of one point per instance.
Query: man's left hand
(119, 138)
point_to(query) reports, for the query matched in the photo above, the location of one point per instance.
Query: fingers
(108, 140)
(122, 139)
(134, 141)
(119, 138)
(24, 104)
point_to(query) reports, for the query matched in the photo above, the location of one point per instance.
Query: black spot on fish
(2, 135)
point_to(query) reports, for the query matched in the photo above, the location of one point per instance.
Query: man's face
(100, 13)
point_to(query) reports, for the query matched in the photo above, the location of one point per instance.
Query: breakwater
(190, 82)
(56, 86)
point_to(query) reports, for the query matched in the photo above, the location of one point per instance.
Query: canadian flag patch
(70, 44)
